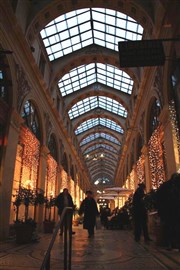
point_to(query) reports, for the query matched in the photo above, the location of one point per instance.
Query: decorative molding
(48, 126)
(23, 86)
(16, 120)
(158, 84)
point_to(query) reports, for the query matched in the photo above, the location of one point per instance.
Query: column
(147, 168)
(59, 179)
(7, 173)
(135, 176)
(41, 183)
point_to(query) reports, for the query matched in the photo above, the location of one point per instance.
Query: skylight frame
(98, 122)
(86, 75)
(103, 146)
(100, 136)
(103, 29)
(87, 104)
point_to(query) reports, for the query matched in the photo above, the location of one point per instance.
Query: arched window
(65, 162)
(52, 146)
(30, 116)
(4, 83)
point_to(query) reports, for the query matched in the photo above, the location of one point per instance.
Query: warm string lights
(77, 196)
(140, 169)
(72, 191)
(156, 159)
(175, 128)
(132, 180)
(64, 179)
(51, 177)
(30, 159)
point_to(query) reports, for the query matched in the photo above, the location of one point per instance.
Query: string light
(30, 158)
(51, 177)
(64, 180)
(156, 159)
(175, 128)
(140, 170)
(131, 180)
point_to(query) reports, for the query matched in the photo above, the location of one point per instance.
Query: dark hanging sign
(141, 53)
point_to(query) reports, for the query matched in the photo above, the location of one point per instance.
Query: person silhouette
(140, 214)
(90, 210)
(63, 200)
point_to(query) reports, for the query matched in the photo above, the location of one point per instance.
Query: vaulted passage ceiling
(96, 94)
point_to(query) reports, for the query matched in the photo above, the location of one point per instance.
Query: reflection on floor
(108, 250)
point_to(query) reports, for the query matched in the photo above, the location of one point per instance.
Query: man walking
(63, 200)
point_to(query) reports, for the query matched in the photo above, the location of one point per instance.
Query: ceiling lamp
(95, 156)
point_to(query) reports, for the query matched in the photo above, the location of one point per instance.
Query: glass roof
(94, 122)
(80, 28)
(102, 146)
(94, 102)
(85, 75)
(108, 159)
(76, 30)
(100, 136)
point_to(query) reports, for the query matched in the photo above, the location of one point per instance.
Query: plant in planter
(39, 199)
(25, 228)
(48, 221)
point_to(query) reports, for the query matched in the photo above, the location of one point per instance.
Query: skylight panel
(99, 26)
(84, 27)
(46, 42)
(72, 21)
(64, 35)
(98, 121)
(75, 40)
(74, 31)
(100, 137)
(90, 103)
(111, 124)
(111, 25)
(87, 125)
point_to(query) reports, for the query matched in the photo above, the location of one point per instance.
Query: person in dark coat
(168, 205)
(63, 200)
(89, 209)
(140, 214)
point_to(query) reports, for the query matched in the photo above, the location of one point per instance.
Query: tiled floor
(108, 250)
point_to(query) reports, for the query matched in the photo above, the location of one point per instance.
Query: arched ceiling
(82, 46)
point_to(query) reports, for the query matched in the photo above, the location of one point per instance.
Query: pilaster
(146, 167)
(7, 173)
(41, 183)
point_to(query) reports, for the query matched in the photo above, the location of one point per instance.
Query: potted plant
(48, 221)
(24, 230)
(23, 227)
